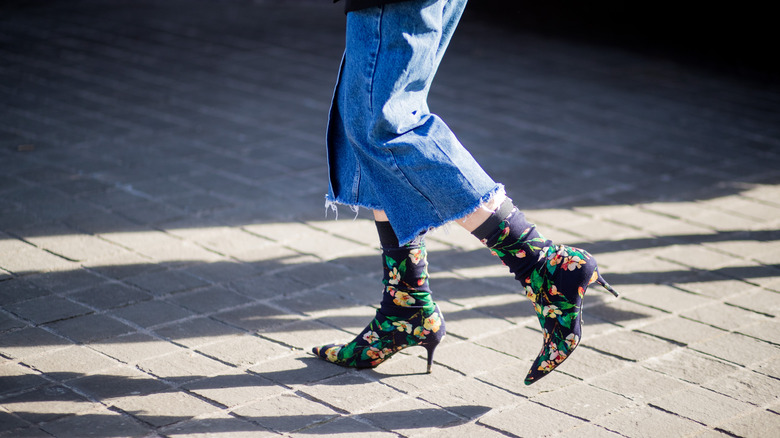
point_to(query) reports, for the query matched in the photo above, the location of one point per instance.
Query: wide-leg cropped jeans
(386, 150)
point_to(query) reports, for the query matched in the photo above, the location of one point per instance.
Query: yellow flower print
(415, 255)
(333, 353)
(538, 308)
(432, 323)
(554, 290)
(403, 326)
(556, 355)
(529, 292)
(546, 365)
(572, 340)
(378, 355)
(403, 299)
(572, 263)
(420, 332)
(395, 276)
(375, 353)
(370, 337)
(551, 311)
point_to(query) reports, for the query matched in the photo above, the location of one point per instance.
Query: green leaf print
(402, 268)
(348, 350)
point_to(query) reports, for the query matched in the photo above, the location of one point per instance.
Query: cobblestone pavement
(166, 263)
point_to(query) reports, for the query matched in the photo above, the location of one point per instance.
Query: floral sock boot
(555, 278)
(407, 315)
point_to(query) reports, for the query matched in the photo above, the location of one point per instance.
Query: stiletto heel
(430, 348)
(606, 285)
(554, 277)
(386, 336)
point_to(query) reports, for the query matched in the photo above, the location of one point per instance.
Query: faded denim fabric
(386, 151)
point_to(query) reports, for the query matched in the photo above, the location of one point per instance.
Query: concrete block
(352, 392)
(724, 317)
(767, 330)
(470, 398)
(134, 347)
(702, 405)
(30, 341)
(183, 366)
(689, 366)
(297, 370)
(90, 328)
(23, 258)
(287, 412)
(18, 289)
(629, 345)
(529, 419)
(736, 348)
(648, 422)
(221, 423)
(70, 363)
(256, 317)
(151, 313)
(348, 427)
(48, 403)
(420, 418)
(471, 359)
(638, 383)
(301, 334)
(164, 408)
(234, 388)
(198, 331)
(758, 424)
(583, 401)
(406, 372)
(98, 423)
(680, 330)
(245, 350)
(747, 386)
(164, 282)
(17, 378)
(116, 383)
(625, 313)
(666, 298)
(760, 301)
(110, 295)
(209, 300)
(47, 309)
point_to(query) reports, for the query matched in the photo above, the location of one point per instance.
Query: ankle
(492, 223)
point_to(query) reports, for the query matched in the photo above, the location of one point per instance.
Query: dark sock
(405, 270)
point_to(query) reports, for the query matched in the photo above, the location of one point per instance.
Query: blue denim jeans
(386, 150)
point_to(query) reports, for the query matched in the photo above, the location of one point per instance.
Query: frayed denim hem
(332, 204)
(498, 189)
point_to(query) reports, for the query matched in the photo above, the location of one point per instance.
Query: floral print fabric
(407, 315)
(554, 277)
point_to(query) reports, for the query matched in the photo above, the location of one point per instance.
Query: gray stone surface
(166, 262)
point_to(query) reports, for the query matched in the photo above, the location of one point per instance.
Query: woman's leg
(386, 150)
(407, 315)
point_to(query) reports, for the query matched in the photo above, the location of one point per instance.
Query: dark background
(738, 37)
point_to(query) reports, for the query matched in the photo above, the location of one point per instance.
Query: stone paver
(166, 261)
